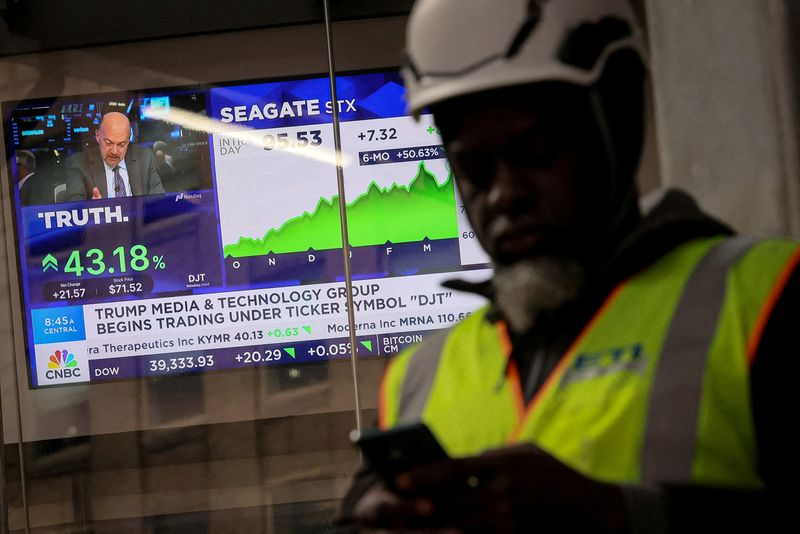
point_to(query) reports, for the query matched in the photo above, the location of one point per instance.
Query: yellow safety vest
(655, 389)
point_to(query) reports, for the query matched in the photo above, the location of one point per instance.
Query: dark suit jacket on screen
(27, 193)
(85, 171)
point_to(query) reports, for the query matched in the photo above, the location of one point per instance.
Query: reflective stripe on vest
(419, 378)
(671, 434)
(655, 388)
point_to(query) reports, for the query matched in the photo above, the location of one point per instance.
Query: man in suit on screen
(26, 181)
(117, 169)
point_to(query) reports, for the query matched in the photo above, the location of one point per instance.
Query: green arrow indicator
(307, 329)
(49, 262)
(367, 345)
(290, 351)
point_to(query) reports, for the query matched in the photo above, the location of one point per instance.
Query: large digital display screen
(236, 260)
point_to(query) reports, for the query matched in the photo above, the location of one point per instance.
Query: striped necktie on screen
(119, 185)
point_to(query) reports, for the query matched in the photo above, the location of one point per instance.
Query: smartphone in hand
(391, 452)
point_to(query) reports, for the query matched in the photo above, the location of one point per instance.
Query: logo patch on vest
(594, 364)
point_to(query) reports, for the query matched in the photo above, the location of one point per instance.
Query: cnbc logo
(62, 364)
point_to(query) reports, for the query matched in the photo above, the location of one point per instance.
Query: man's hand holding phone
(511, 489)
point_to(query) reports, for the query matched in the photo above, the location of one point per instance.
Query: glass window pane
(406, 227)
(175, 368)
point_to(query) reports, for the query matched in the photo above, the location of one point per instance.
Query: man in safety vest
(632, 372)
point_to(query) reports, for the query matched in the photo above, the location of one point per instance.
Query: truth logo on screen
(62, 364)
(83, 217)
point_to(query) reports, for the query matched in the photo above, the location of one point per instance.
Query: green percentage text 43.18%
(122, 260)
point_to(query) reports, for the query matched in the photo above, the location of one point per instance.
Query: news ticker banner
(240, 329)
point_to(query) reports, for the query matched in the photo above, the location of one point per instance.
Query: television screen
(210, 238)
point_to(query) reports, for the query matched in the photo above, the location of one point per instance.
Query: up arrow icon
(49, 262)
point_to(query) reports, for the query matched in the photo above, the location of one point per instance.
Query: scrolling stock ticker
(250, 273)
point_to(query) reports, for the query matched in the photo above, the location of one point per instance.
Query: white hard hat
(459, 47)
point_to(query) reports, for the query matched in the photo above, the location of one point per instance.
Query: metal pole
(348, 278)
(3, 504)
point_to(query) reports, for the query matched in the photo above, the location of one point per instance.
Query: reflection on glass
(187, 349)
(406, 225)
(180, 384)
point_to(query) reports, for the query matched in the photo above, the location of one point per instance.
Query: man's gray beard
(527, 288)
